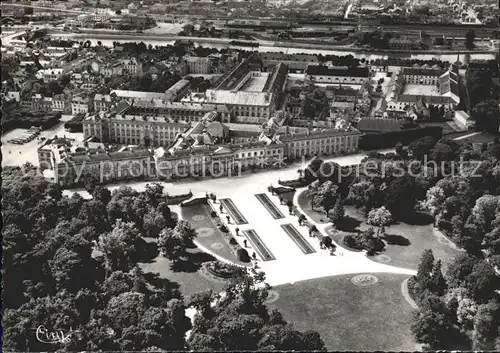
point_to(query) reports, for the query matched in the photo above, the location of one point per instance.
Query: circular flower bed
(223, 270)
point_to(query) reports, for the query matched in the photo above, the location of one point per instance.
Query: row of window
(330, 78)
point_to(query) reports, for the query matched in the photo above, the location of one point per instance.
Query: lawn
(209, 235)
(405, 242)
(188, 276)
(350, 317)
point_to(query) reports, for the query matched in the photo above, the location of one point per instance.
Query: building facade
(337, 75)
(133, 129)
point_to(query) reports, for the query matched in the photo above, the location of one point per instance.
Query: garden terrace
(298, 239)
(259, 246)
(209, 233)
(233, 211)
(270, 206)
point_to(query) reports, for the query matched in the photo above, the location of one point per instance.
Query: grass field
(405, 242)
(350, 317)
(188, 276)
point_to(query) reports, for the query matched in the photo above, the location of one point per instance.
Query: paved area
(291, 265)
(17, 155)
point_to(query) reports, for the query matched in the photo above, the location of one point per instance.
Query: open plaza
(296, 265)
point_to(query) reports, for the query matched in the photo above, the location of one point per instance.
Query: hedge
(221, 269)
(390, 138)
(23, 119)
(295, 183)
(175, 199)
(197, 201)
(243, 255)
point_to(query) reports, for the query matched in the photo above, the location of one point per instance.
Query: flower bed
(228, 236)
(223, 270)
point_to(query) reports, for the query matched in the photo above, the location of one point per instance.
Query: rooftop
(239, 97)
(422, 72)
(138, 94)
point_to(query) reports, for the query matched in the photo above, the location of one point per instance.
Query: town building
(81, 105)
(75, 166)
(102, 102)
(49, 74)
(413, 87)
(185, 110)
(463, 120)
(337, 75)
(252, 96)
(120, 127)
(198, 65)
(132, 66)
(61, 103)
(177, 90)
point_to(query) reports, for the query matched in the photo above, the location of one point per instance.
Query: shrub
(364, 241)
(233, 241)
(223, 229)
(243, 255)
(213, 214)
(296, 183)
(221, 269)
(351, 242)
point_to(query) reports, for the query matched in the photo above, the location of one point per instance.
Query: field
(348, 316)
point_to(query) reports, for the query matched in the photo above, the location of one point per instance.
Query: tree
(325, 196)
(239, 320)
(68, 270)
(338, 211)
(401, 196)
(459, 269)
(119, 246)
(380, 217)
(433, 324)
(424, 274)
(364, 195)
(469, 39)
(171, 244)
(437, 283)
(421, 147)
(482, 282)
(117, 283)
(153, 222)
(125, 310)
(485, 210)
(486, 323)
(458, 300)
(202, 342)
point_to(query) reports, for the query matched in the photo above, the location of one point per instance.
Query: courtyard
(421, 90)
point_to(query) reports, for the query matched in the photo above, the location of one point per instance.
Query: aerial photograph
(250, 175)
